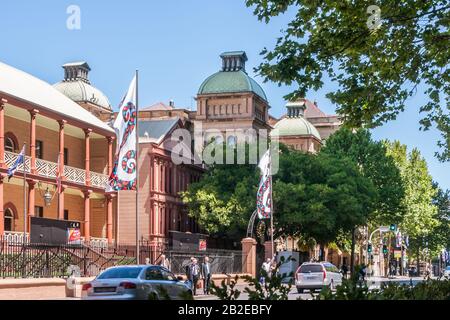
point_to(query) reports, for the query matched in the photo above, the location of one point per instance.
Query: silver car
(316, 275)
(138, 282)
(446, 273)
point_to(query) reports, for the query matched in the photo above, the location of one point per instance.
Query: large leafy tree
(377, 57)
(371, 158)
(314, 195)
(420, 217)
(320, 196)
(439, 237)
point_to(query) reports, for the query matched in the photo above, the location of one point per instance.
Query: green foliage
(319, 195)
(226, 292)
(273, 287)
(371, 158)
(375, 69)
(224, 199)
(352, 290)
(420, 217)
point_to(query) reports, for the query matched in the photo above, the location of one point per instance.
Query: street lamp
(47, 195)
(47, 198)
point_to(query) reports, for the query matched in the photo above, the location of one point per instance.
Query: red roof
(158, 106)
(312, 110)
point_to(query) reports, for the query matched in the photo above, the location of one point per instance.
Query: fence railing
(22, 259)
(48, 169)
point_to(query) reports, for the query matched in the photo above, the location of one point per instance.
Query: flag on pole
(123, 175)
(20, 159)
(264, 195)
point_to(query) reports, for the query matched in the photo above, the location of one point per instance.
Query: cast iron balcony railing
(49, 169)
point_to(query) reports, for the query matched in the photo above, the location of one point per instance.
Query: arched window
(231, 141)
(11, 142)
(9, 220)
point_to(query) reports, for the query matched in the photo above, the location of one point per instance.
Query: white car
(447, 272)
(316, 275)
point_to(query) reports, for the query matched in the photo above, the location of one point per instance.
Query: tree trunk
(352, 254)
(418, 261)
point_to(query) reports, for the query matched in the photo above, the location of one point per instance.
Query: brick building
(60, 136)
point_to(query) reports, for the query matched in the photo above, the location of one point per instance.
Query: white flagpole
(271, 203)
(137, 172)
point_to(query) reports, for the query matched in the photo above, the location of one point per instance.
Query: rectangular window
(66, 156)
(39, 149)
(66, 214)
(39, 211)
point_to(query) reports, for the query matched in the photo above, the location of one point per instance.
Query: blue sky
(175, 45)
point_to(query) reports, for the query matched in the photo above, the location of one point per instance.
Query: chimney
(233, 61)
(171, 103)
(75, 71)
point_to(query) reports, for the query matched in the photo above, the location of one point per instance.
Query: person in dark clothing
(344, 270)
(195, 275)
(206, 275)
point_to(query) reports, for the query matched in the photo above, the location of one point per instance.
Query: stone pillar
(87, 215)
(110, 154)
(2, 213)
(33, 114)
(249, 256)
(2, 142)
(268, 250)
(61, 168)
(87, 148)
(109, 218)
(31, 202)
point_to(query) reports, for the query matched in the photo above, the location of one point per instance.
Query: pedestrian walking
(206, 274)
(164, 262)
(195, 275)
(266, 267)
(362, 272)
(344, 270)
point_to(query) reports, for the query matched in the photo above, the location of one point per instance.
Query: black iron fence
(30, 260)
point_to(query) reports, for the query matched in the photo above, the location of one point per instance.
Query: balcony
(48, 169)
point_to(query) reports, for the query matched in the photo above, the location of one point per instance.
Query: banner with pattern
(264, 195)
(123, 175)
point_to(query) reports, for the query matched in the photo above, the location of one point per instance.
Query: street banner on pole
(123, 175)
(264, 195)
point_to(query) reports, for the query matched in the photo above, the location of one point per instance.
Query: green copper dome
(232, 78)
(294, 124)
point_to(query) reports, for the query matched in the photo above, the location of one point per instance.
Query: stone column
(87, 215)
(109, 218)
(110, 153)
(87, 157)
(2, 142)
(33, 114)
(249, 256)
(31, 202)
(61, 168)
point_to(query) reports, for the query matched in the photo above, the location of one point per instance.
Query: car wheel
(299, 290)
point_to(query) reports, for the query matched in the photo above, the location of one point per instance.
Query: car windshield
(311, 268)
(117, 273)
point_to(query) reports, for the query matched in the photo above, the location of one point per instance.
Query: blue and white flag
(20, 159)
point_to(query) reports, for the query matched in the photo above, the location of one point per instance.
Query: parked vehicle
(316, 275)
(446, 273)
(137, 282)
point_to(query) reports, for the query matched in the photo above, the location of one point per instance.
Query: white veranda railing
(49, 170)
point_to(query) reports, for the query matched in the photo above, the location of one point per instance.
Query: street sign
(397, 254)
(384, 228)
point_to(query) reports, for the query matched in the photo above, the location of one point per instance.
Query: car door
(175, 287)
(156, 282)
